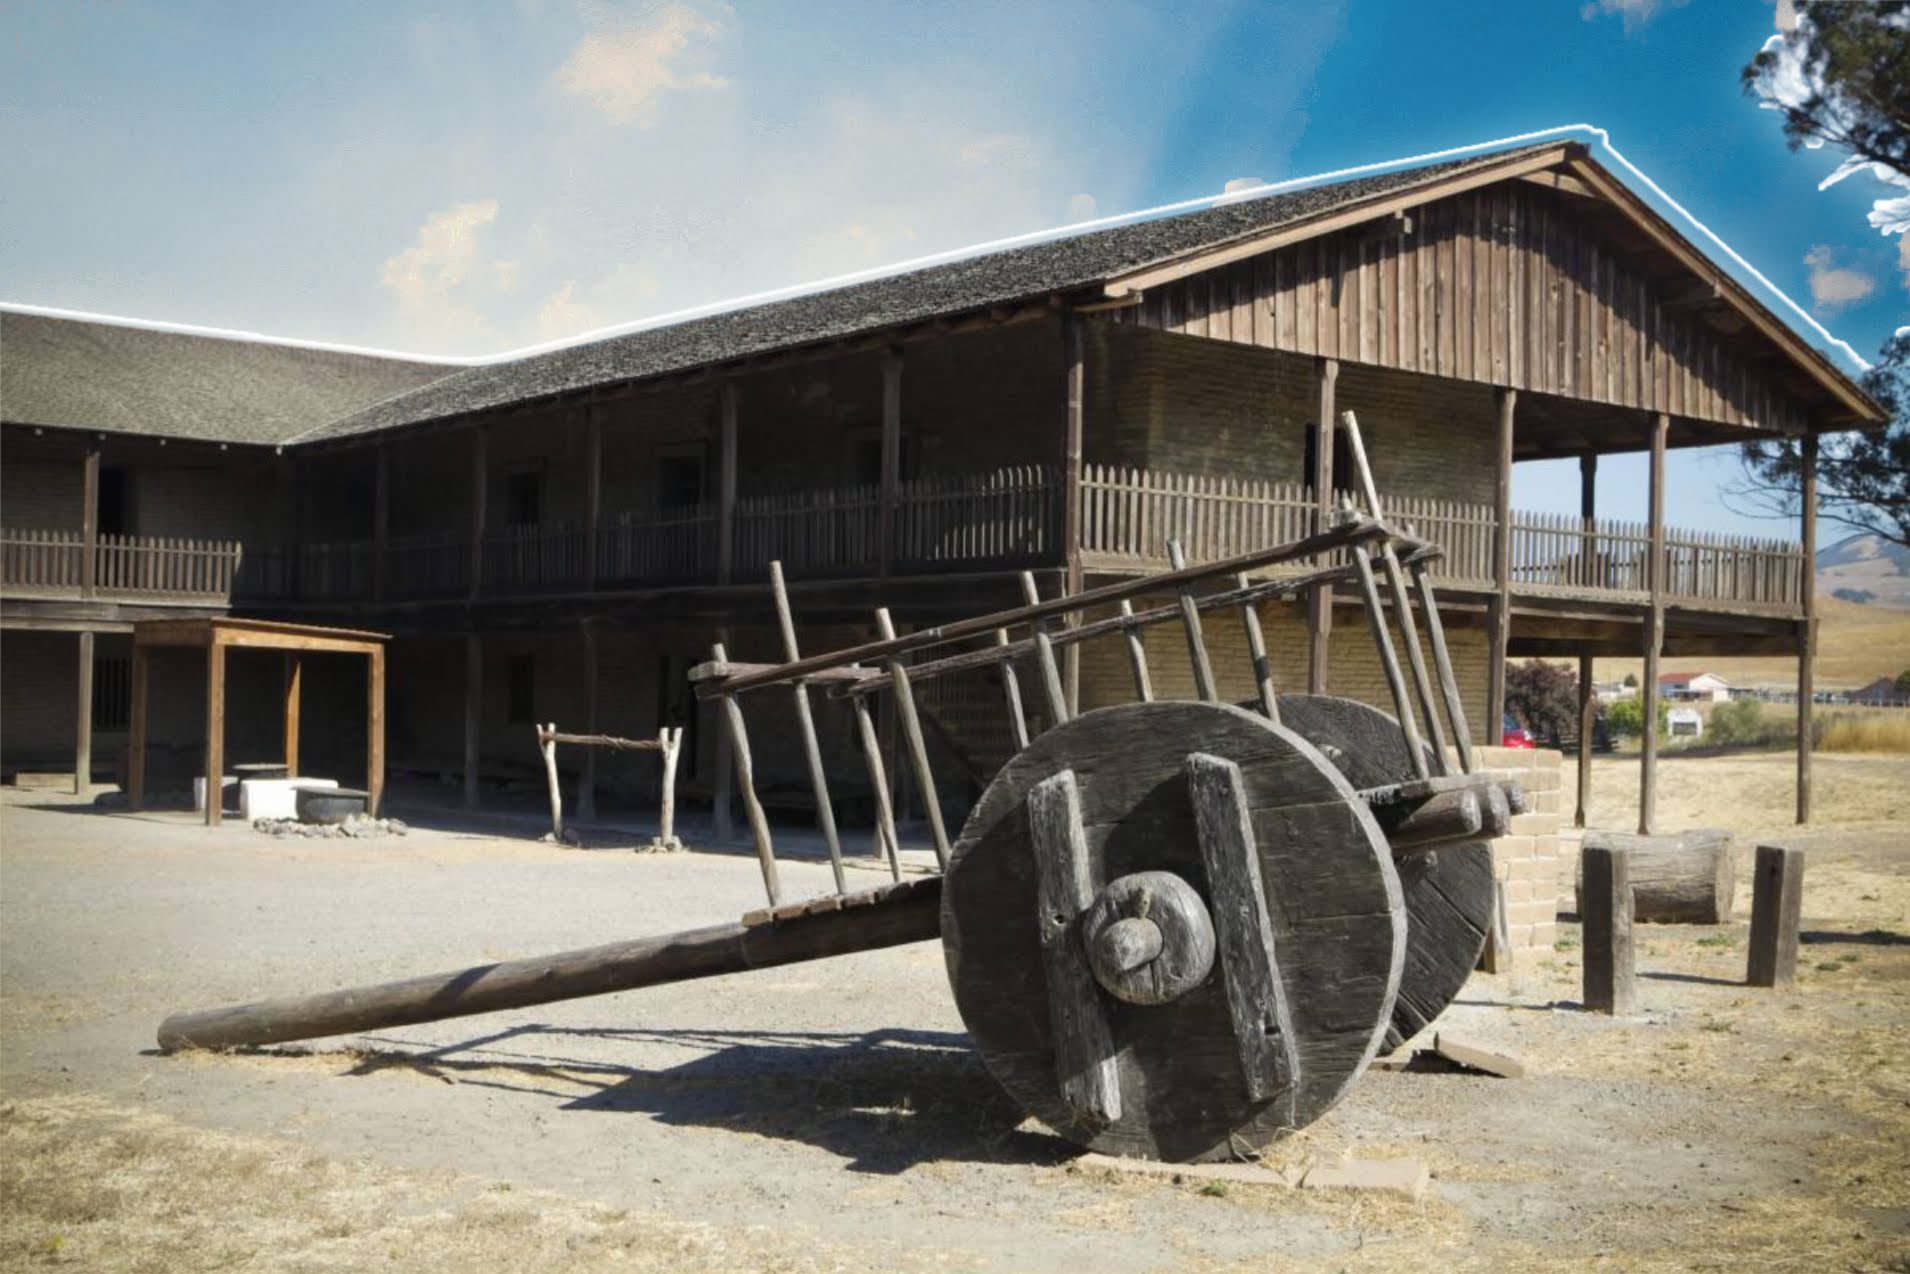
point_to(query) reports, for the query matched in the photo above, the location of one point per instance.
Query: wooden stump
(1331, 901)
(1777, 901)
(1687, 878)
(1605, 909)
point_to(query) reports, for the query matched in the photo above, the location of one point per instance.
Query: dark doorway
(679, 481)
(115, 512)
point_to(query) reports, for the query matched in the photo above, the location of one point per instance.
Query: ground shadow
(882, 1100)
(1868, 938)
(1697, 979)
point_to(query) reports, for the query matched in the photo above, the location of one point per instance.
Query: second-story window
(521, 689)
(679, 480)
(524, 498)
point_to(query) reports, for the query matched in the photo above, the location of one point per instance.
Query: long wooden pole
(1499, 613)
(1073, 434)
(917, 744)
(1654, 632)
(294, 668)
(215, 730)
(1807, 630)
(1587, 700)
(913, 915)
(806, 723)
(375, 729)
(746, 780)
(83, 715)
(89, 522)
(1320, 599)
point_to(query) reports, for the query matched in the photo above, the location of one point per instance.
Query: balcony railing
(37, 562)
(1129, 514)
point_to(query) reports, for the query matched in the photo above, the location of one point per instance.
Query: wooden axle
(886, 917)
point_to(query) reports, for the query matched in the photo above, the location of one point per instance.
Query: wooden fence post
(1777, 899)
(1604, 909)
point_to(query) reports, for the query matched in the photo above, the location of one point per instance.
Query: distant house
(1881, 693)
(1694, 687)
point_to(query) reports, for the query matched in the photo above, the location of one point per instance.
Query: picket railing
(831, 531)
(532, 559)
(1565, 553)
(1128, 515)
(429, 564)
(1008, 516)
(51, 563)
(1704, 566)
(664, 547)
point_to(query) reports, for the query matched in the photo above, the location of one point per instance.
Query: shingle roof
(980, 282)
(76, 373)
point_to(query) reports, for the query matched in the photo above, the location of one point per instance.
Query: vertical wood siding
(1502, 285)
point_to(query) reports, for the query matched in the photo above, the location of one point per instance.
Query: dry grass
(1887, 731)
(89, 1185)
(1855, 645)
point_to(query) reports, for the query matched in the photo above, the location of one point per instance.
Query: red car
(1515, 735)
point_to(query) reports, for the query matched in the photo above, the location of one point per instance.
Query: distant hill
(1866, 569)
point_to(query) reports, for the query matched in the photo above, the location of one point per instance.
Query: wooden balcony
(1129, 514)
(38, 563)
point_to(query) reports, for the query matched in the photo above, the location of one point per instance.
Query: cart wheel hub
(1149, 938)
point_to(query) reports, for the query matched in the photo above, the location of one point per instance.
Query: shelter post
(1319, 601)
(1654, 632)
(1807, 630)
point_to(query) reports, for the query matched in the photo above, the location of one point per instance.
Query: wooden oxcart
(1174, 929)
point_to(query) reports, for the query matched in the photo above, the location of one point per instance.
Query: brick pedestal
(1527, 859)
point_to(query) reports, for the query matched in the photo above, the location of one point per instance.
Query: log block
(1777, 898)
(1687, 878)
(1605, 909)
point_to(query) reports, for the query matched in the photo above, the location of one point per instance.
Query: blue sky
(471, 178)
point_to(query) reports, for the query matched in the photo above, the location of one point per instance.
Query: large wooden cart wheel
(1173, 930)
(1448, 890)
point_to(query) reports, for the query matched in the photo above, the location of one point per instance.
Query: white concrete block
(275, 798)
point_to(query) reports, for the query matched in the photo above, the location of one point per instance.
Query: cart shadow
(883, 1101)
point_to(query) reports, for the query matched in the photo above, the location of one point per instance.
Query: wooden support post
(1442, 664)
(1057, 697)
(473, 715)
(746, 780)
(1389, 661)
(891, 459)
(136, 743)
(375, 729)
(1074, 430)
(1499, 613)
(886, 836)
(726, 484)
(480, 519)
(83, 715)
(1011, 689)
(1496, 956)
(593, 497)
(547, 744)
(381, 521)
(587, 779)
(1604, 909)
(806, 723)
(294, 669)
(1807, 630)
(671, 739)
(1654, 632)
(1204, 684)
(1320, 597)
(917, 744)
(215, 730)
(1086, 1069)
(1587, 719)
(722, 796)
(1777, 901)
(89, 522)
(1137, 656)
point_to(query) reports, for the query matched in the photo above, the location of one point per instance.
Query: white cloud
(564, 315)
(1833, 286)
(623, 70)
(1635, 13)
(442, 256)
(1903, 259)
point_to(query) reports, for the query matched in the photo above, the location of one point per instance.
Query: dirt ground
(832, 1116)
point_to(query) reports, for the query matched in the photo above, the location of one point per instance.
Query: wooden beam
(1654, 632)
(1073, 433)
(726, 483)
(891, 476)
(1587, 717)
(1564, 183)
(480, 497)
(89, 522)
(374, 730)
(83, 715)
(473, 715)
(1196, 262)
(1807, 630)
(587, 781)
(722, 820)
(294, 690)
(593, 494)
(215, 732)
(1499, 617)
(1320, 598)
(380, 521)
(136, 744)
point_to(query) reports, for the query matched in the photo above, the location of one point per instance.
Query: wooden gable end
(1512, 284)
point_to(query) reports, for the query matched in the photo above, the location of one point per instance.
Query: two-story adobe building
(561, 536)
